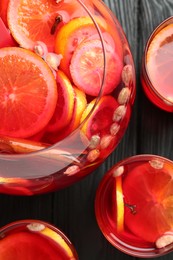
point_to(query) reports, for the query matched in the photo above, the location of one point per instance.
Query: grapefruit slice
(30, 21)
(70, 36)
(33, 245)
(100, 119)
(64, 108)
(150, 191)
(87, 68)
(76, 31)
(28, 93)
(159, 60)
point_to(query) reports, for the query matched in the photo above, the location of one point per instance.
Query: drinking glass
(134, 207)
(156, 76)
(35, 239)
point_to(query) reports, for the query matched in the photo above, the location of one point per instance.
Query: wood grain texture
(150, 131)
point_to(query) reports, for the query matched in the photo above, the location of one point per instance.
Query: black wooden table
(150, 131)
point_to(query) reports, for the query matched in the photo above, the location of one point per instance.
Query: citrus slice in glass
(159, 60)
(80, 103)
(88, 66)
(32, 21)
(65, 103)
(70, 36)
(34, 245)
(150, 192)
(101, 117)
(80, 29)
(28, 93)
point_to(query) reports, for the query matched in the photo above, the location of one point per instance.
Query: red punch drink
(157, 66)
(29, 239)
(134, 206)
(67, 87)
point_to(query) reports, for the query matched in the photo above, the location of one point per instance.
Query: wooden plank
(22, 207)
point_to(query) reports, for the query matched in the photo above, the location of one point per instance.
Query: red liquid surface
(27, 241)
(81, 147)
(147, 190)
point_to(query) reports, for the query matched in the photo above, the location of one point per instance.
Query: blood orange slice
(76, 31)
(32, 21)
(159, 60)
(28, 93)
(80, 104)
(150, 192)
(101, 117)
(87, 68)
(70, 36)
(64, 108)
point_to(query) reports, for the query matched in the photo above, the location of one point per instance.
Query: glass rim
(138, 157)
(24, 222)
(29, 221)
